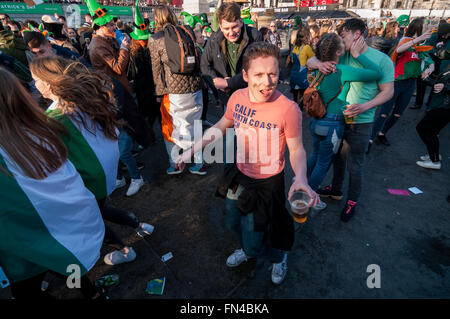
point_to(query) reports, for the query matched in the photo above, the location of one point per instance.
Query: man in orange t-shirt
(265, 121)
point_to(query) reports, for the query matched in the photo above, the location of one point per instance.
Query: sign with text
(23, 8)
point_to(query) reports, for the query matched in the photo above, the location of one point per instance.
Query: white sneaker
(145, 229)
(237, 258)
(427, 157)
(135, 185)
(119, 257)
(279, 271)
(120, 183)
(429, 164)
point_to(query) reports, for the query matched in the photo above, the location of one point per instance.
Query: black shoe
(383, 140)
(328, 191)
(348, 211)
(415, 107)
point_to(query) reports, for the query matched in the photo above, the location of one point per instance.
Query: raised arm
(208, 137)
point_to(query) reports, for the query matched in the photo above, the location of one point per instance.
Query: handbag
(312, 102)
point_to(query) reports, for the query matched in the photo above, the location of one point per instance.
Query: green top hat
(140, 31)
(100, 15)
(297, 22)
(204, 19)
(403, 20)
(190, 19)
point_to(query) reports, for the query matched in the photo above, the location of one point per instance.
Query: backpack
(312, 102)
(298, 76)
(180, 43)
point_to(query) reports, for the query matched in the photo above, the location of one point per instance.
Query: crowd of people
(76, 104)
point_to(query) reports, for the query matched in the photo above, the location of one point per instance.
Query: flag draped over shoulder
(46, 224)
(95, 156)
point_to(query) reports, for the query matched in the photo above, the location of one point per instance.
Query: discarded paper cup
(300, 204)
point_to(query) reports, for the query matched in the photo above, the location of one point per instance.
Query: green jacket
(15, 47)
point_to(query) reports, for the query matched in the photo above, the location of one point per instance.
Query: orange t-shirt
(261, 131)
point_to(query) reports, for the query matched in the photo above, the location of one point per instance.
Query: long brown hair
(415, 28)
(164, 15)
(29, 137)
(79, 91)
(303, 36)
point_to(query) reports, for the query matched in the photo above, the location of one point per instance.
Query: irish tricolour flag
(46, 224)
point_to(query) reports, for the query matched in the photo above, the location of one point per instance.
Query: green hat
(190, 20)
(246, 16)
(297, 22)
(403, 20)
(204, 19)
(100, 15)
(140, 31)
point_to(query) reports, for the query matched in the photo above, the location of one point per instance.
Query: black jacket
(265, 198)
(140, 76)
(214, 59)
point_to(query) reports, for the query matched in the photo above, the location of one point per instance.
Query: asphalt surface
(406, 236)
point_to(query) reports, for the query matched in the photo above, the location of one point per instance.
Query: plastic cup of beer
(348, 119)
(300, 204)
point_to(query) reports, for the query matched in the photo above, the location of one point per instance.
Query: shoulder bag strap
(340, 90)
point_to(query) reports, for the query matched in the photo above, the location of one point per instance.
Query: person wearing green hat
(104, 50)
(140, 72)
(297, 22)
(403, 22)
(204, 18)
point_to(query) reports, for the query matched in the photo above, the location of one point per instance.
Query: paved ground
(407, 236)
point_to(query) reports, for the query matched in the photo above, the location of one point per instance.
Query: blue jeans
(351, 154)
(391, 111)
(327, 136)
(125, 146)
(251, 242)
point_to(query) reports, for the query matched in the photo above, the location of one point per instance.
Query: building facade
(395, 4)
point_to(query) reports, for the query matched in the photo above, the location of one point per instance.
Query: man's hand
(180, 162)
(427, 72)
(438, 87)
(125, 42)
(327, 67)
(300, 185)
(220, 84)
(355, 109)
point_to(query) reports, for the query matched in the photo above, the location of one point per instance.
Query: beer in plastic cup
(348, 119)
(300, 204)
